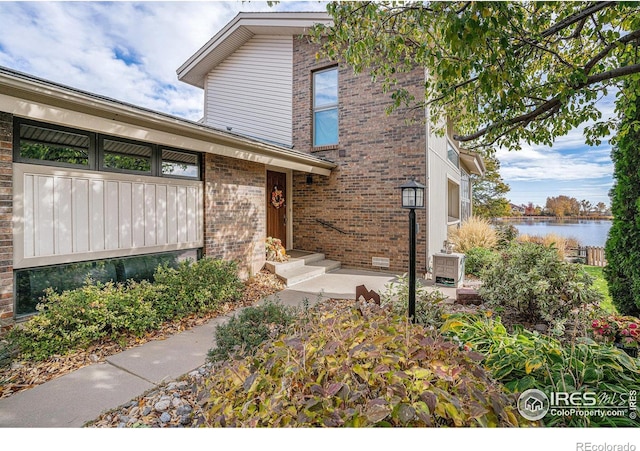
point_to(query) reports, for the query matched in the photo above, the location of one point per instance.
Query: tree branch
(577, 17)
(552, 103)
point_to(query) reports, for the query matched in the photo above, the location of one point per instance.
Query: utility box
(448, 270)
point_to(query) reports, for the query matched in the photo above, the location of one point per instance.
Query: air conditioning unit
(448, 270)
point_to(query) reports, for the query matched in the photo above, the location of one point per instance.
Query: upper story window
(452, 155)
(38, 143)
(325, 107)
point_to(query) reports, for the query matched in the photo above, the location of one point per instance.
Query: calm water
(588, 232)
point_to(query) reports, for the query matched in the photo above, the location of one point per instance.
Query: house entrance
(276, 206)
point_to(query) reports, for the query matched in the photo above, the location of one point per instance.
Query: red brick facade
(235, 211)
(376, 154)
(6, 219)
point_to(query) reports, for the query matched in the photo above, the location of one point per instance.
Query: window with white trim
(325, 107)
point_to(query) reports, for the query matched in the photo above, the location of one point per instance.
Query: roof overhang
(237, 32)
(26, 96)
(472, 162)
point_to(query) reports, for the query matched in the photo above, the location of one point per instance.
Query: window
(325, 107)
(32, 283)
(54, 146)
(465, 196)
(126, 156)
(37, 143)
(180, 164)
(452, 155)
(453, 198)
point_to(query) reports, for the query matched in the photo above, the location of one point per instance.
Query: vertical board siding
(66, 214)
(251, 91)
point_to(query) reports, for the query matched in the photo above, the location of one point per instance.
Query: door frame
(288, 201)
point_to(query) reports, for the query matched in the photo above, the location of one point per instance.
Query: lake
(588, 232)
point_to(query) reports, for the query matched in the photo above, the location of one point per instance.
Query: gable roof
(27, 96)
(237, 32)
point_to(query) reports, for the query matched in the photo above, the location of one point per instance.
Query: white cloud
(124, 50)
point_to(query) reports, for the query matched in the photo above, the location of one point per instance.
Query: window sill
(322, 148)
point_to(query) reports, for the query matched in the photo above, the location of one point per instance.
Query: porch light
(412, 195)
(412, 198)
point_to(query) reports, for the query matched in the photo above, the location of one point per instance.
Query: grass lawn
(600, 283)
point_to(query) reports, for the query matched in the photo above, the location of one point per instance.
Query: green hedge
(77, 318)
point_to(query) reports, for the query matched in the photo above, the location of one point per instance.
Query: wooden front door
(276, 206)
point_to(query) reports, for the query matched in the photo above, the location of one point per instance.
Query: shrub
(523, 360)
(560, 243)
(507, 234)
(196, 287)
(76, 318)
(479, 259)
(624, 330)
(530, 279)
(474, 232)
(351, 369)
(429, 306)
(253, 325)
(622, 248)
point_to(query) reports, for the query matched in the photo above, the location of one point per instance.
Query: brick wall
(235, 215)
(6, 219)
(376, 154)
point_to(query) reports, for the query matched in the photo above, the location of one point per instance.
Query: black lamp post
(412, 198)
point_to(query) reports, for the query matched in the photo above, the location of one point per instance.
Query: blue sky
(130, 52)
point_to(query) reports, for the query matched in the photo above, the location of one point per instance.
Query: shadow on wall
(235, 224)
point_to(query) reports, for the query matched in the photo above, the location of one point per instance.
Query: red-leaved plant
(618, 329)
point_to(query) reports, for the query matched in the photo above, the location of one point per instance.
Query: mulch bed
(23, 375)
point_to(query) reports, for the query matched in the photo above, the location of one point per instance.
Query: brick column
(235, 212)
(6, 220)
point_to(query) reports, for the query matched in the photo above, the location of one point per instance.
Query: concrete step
(328, 265)
(296, 275)
(302, 266)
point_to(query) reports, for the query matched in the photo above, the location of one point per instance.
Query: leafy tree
(489, 191)
(622, 248)
(563, 206)
(503, 72)
(586, 206)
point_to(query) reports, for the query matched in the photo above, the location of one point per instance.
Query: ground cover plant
(242, 334)
(531, 280)
(74, 319)
(357, 368)
(523, 360)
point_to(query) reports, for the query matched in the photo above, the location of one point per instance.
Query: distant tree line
(562, 206)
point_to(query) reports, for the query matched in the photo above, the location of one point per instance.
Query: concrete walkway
(79, 397)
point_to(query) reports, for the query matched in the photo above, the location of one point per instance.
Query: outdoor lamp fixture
(412, 198)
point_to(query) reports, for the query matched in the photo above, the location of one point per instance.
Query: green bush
(523, 360)
(347, 368)
(622, 248)
(77, 318)
(507, 234)
(253, 325)
(531, 280)
(196, 287)
(429, 306)
(479, 259)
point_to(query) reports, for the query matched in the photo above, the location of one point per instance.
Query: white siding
(441, 173)
(63, 216)
(251, 91)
